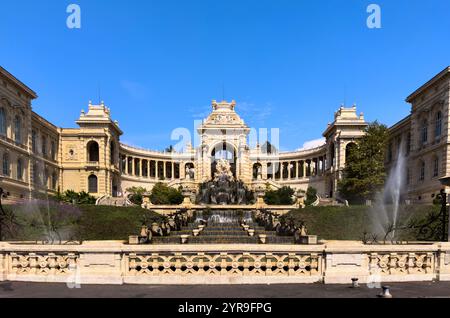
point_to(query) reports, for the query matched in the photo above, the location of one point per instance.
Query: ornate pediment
(223, 114)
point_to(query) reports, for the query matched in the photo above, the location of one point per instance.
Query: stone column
(126, 165)
(148, 169)
(173, 170)
(133, 167)
(156, 169)
(164, 170)
(304, 168)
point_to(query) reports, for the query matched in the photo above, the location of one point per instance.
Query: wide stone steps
(226, 233)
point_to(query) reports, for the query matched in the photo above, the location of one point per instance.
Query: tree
(163, 194)
(73, 197)
(365, 173)
(282, 196)
(136, 194)
(311, 196)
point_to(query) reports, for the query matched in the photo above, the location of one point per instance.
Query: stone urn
(201, 228)
(184, 239)
(246, 227)
(195, 232)
(251, 232)
(262, 238)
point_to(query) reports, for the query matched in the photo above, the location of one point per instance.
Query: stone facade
(424, 137)
(40, 158)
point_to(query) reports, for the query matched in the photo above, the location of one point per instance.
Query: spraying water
(388, 203)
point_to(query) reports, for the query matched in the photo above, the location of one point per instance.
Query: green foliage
(365, 174)
(52, 221)
(163, 194)
(113, 223)
(350, 223)
(282, 196)
(73, 197)
(45, 220)
(311, 196)
(136, 195)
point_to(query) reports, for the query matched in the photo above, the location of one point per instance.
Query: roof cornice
(435, 79)
(17, 82)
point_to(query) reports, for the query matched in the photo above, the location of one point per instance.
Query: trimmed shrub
(163, 194)
(282, 196)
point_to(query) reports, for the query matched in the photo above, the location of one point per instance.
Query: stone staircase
(224, 233)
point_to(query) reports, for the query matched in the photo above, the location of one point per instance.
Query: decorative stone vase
(251, 232)
(262, 238)
(246, 227)
(201, 228)
(184, 239)
(196, 232)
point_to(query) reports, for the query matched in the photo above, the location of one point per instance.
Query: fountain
(224, 189)
(386, 208)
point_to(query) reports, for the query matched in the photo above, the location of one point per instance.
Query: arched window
(17, 129)
(424, 132)
(112, 152)
(5, 166)
(19, 169)
(438, 125)
(257, 170)
(332, 162)
(93, 152)
(422, 171)
(349, 150)
(92, 184)
(2, 121)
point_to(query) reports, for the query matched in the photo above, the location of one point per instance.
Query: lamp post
(3, 194)
(445, 192)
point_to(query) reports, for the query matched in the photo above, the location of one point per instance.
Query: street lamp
(3, 194)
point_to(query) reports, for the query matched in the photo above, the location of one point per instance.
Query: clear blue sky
(288, 64)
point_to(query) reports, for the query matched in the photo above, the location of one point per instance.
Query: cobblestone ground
(398, 290)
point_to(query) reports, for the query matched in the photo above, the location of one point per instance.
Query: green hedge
(350, 223)
(82, 222)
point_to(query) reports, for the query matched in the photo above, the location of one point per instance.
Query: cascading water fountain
(387, 205)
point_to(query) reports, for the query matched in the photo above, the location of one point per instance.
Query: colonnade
(290, 170)
(152, 169)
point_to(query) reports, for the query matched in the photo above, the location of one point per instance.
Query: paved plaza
(398, 290)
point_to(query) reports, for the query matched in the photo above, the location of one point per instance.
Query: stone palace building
(38, 157)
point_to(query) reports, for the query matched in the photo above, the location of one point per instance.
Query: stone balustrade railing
(119, 263)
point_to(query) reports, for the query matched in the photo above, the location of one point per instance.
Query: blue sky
(288, 64)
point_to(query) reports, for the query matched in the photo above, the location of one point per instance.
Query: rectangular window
(53, 150)
(422, 172)
(436, 167)
(44, 146)
(34, 141)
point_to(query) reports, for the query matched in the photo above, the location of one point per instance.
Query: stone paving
(398, 290)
